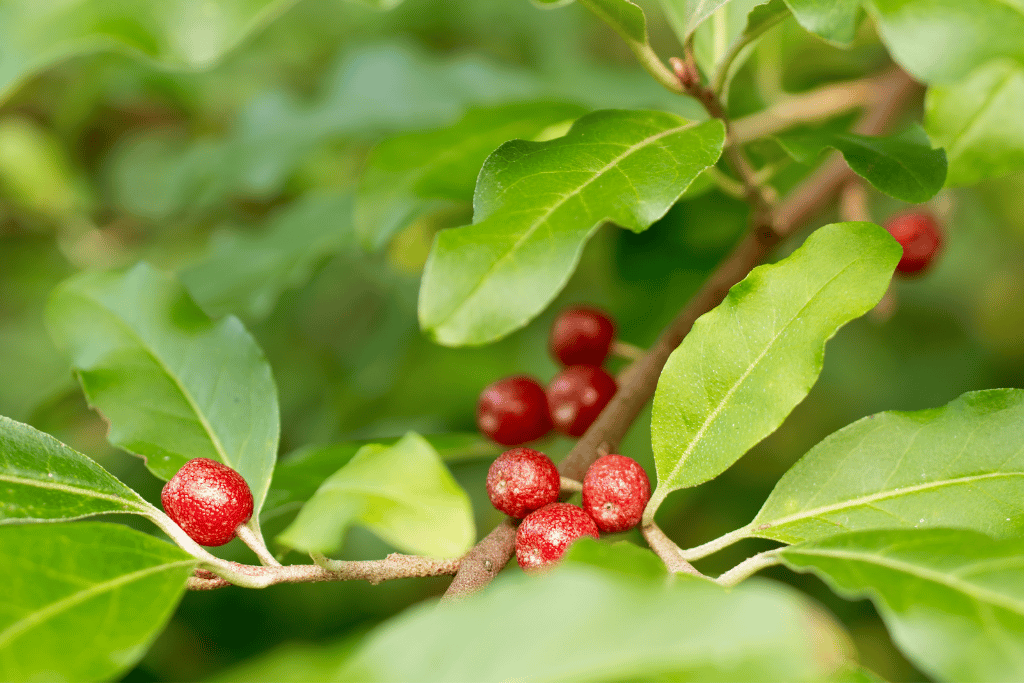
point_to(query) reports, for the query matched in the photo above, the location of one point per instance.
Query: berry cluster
(516, 410)
(524, 483)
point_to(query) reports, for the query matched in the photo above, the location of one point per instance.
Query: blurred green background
(238, 177)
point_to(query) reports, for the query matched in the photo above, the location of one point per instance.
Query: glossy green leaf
(944, 40)
(625, 17)
(298, 476)
(405, 175)
(245, 273)
(177, 33)
(953, 600)
(747, 363)
(173, 384)
(902, 166)
(978, 120)
(961, 465)
(580, 623)
(734, 22)
(833, 20)
(41, 479)
(403, 493)
(83, 601)
(537, 203)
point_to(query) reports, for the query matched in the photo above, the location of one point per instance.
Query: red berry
(208, 500)
(921, 238)
(522, 480)
(615, 492)
(577, 395)
(513, 411)
(582, 336)
(545, 535)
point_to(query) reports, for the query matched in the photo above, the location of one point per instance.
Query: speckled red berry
(582, 336)
(577, 395)
(513, 411)
(921, 238)
(522, 480)
(208, 500)
(615, 492)
(545, 535)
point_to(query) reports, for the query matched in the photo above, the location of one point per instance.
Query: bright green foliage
(944, 40)
(174, 384)
(833, 20)
(746, 364)
(978, 120)
(734, 23)
(177, 33)
(403, 493)
(961, 465)
(43, 480)
(83, 601)
(298, 476)
(902, 166)
(687, 15)
(537, 203)
(622, 15)
(622, 557)
(953, 600)
(244, 273)
(542, 628)
(407, 174)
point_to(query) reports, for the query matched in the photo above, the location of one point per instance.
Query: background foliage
(239, 176)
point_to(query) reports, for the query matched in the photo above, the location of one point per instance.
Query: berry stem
(254, 539)
(667, 550)
(570, 485)
(626, 350)
(749, 567)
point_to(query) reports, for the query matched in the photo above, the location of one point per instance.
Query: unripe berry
(577, 395)
(545, 535)
(582, 336)
(522, 480)
(513, 411)
(615, 492)
(208, 500)
(921, 238)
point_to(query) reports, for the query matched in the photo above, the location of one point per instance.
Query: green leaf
(686, 15)
(747, 363)
(537, 203)
(244, 273)
(625, 17)
(978, 120)
(298, 476)
(176, 33)
(902, 166)
(623, 557)
(173, 384)
(403, 493)
(580, 623)
(733, 23)
(833, 20)
(83, 601)
(961, 465)
(406, 174)
(953, 600)
(41, 479)
(944, 40)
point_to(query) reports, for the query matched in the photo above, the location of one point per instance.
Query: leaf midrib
(557, 205)
(66, 488)
(971, 590)
(53, 609)
(881, 495)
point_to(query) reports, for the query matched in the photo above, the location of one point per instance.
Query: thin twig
(749, 567)
(571, 485)
(256, 543)
(853, 202)
(667, 550)
(481, 564)
(394, 566)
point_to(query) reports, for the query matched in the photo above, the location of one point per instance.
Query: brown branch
(637, 387)
(394, 566)
(667, 550)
